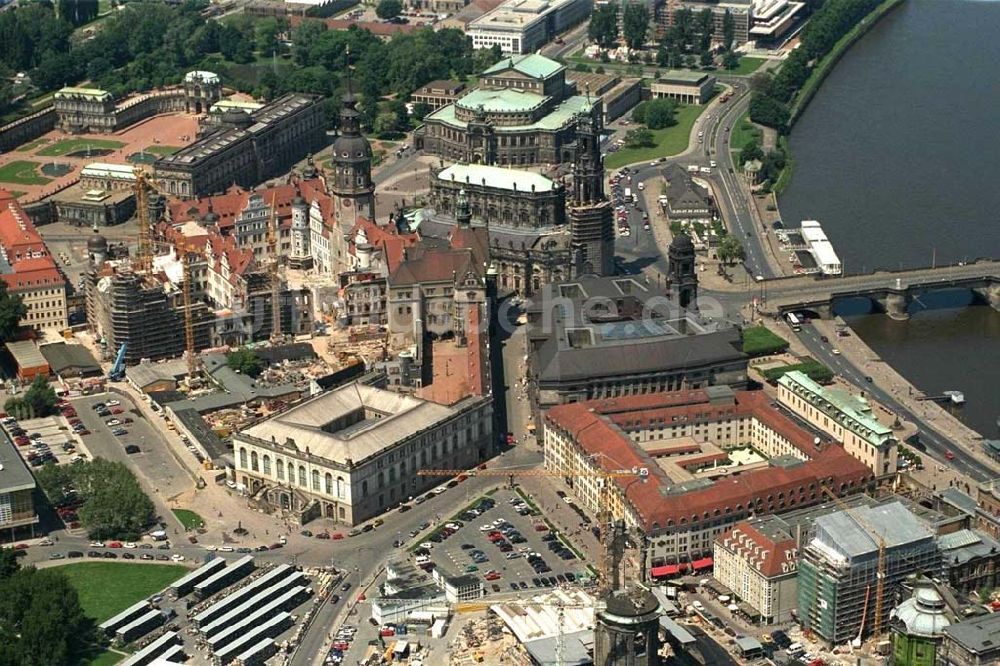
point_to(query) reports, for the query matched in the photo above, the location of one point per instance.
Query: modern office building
(846, 417)
(524, 26)
(701, 478)
(352, 453)
(839, 567)
(18, 516)
(684, 86)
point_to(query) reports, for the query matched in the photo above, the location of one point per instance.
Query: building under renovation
(839, 568)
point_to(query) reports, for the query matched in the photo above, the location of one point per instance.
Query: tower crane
(184, 255)
(144, 254)
(879, 573)
(272, 263)
(609, 566)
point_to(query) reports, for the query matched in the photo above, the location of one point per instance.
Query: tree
(683, 27)
(114, 505)
(751, 151)
(769, 111)
(12, 310)
(421, 110)
(387, 9)
(660, 113)
(635, 25)
(8, 563)
(603, 27)
(705, 59)
(639, 138)
(41, 396)
(730, 250)
(245, 361)
(730, 61)
(728, 30)
(41, 621)
(705, 27)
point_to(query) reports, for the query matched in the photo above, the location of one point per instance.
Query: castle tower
(463, 213)
(626, 632)
(683, 277)
(201, 91)
(97, 249)
(351, 181)
(301, 254)
(591, 215)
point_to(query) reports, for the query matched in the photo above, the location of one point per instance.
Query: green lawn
(189, 519)
(161, 150)
(747, 66)
(72, 145)
(22, 172)
(815, 370)
(759, 341)
(108, 588)
(28, 147)
(743, 132)
(669, 141)
(104, 658)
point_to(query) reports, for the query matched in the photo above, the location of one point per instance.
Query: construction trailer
(158, 649)
(140, 626)
(287, 601)
(258, 654)
(238, 570)
(112, 625)
(270, 629)
(239, 597)
(259, 606)
(184, 586)
(839, 568)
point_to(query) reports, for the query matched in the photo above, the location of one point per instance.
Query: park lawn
(747, 66)
(103, 658)
(22, 172)
(161, 150)
(189, 519)
(815, 370)
(667, 142)
(743, 132)
(108, 588)
(28, 147)
(72, 145)
(759, 341)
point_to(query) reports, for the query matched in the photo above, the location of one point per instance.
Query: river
(897, 156)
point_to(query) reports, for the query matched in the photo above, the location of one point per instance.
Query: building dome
(923, 614)
(238, 118)
(682, 242)
(351, 146)
(97, 243)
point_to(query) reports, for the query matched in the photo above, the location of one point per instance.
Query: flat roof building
(28, 359)
(352, 453)
(17, 487)
(684, 86)
(524, 26)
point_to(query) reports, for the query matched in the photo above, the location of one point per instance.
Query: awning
(703, 563)
(667, 570)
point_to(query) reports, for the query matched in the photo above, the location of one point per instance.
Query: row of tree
(772, 96)
(41, 621)
(603, 28)
(38, 401)
(114, 505)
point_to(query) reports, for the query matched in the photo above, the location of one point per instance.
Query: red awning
(703, 563)
(665, 570)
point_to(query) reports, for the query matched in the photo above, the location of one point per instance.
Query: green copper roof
(854, 412)
(558, 118)
(533, 65)
(501, 101)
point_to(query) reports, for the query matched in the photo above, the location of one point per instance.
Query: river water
(898, 156)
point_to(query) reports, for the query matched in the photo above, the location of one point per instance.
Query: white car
(45, 542)
(112, 422)
(211, 548)
(427, 545)
(226, 549)
(835, 351)
(97, 544)
(113, 403)
(486, 528)
(129, 544)
(439, 490)
(177, 557)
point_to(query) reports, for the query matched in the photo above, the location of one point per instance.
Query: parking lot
(506, 542)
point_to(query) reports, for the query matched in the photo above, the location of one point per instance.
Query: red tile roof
(771, 557)
(387, 239)
(228, 206)
(25, 251)
(377, 29)
(599, 426)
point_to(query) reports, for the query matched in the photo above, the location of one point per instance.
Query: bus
(794, 322)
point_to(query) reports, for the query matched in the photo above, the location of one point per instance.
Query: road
(936, 444)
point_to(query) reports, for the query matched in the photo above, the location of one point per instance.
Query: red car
(387, 631)
(115, 544)
(83, 432)
(541, 527)
(493, 575)
(337, 536)
(341, 645)
(116, 410)
(949, 455)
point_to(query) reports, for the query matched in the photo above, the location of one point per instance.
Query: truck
(693, 168)
(628, 195)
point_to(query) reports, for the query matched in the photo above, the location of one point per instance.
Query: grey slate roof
(979, 635)
(897, 526)
(15, 474)
(70, 359)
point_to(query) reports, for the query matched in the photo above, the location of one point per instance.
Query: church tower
(351, 183)
(683, 277)
(591, 215)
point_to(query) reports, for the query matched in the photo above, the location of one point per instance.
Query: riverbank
(826, 65)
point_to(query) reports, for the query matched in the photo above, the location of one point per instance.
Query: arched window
(281, 469)
(328, 479)
(267, 465)
(243, 458)
(302, 476)
(340, 487)
(315, 480)
(253, 461)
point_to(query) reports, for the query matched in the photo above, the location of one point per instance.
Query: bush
(245, 362)
(811, 367)
(760, 341)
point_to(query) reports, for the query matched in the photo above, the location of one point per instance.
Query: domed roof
(922, 614)
(237, 118)
(351, 147)
(681, 242)
(97, 242)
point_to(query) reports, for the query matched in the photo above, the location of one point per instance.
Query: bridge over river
(889, 291)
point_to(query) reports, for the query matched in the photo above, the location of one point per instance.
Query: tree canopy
(41, 622)
(635, 24)
(603, 28)
(12, 309)
(656, 113)
(38, 401)
(639, 138)
(387, 9)
(730, 250)
(245, 361)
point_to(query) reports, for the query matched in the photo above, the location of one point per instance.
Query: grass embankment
(22, 172)
(28, 147)
(108, 588)
(189, 519)
(811, 367)
(72, 145)
(162, 151)
(747, 67)
(826, 65)
(743, 133)
(666, 142)
(760, 341)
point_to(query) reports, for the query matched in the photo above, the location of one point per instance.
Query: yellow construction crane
(184, 254)
(879, 573)
(608, 574)
(272, 263)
